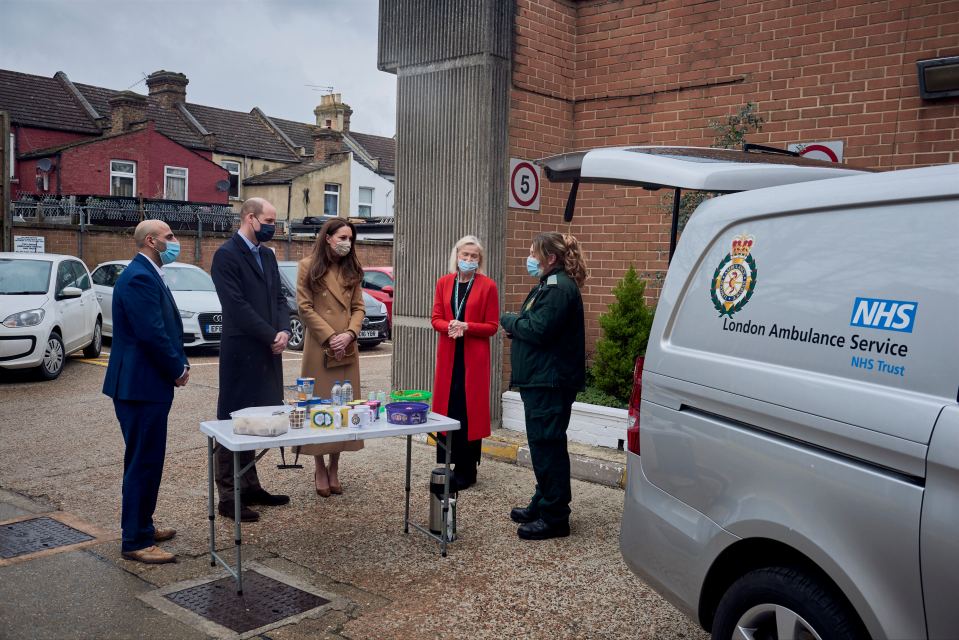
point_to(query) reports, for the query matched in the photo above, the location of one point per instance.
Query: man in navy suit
(146, 362)
(256, 328)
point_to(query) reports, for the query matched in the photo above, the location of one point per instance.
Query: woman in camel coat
(330, 299)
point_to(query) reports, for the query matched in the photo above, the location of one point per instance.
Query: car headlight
(382, 309)
(29, 318)
(187, 314)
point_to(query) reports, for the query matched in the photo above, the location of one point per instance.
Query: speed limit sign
(523, 184)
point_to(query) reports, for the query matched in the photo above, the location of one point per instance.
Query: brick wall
(100, 244)
(86, 169)
(602, 73)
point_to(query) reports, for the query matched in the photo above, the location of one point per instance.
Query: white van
(796, 470)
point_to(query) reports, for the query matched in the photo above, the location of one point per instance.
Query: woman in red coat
(466, 316)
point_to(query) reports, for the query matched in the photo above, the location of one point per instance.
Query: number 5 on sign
(523, 184)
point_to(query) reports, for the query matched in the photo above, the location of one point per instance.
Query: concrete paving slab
(38, 600)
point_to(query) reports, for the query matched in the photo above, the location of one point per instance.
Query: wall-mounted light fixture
(938, 78)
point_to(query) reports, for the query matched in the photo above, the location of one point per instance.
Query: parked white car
(192, 289)
(48, 310)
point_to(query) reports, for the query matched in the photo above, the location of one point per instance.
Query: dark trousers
(465, 454)
(547, 412)
(144, 426)
(223, 473)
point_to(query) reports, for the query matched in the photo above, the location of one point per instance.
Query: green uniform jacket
(549, 336)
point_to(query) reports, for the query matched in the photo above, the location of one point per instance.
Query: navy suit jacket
(146, 356)
(254, 311)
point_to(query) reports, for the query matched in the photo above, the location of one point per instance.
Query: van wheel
(782, 603)
(53, 358)
(296, 334)
(92, 350)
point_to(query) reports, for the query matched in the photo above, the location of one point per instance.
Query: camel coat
(325, 312)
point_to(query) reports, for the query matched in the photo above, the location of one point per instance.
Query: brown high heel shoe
(321, 491)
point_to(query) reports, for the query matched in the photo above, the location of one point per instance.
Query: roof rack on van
(678, 168)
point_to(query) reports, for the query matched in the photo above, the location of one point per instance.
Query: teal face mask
(533, 268)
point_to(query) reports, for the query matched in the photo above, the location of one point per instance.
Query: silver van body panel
(755, 485)
(939, 540)
(670, 545)
(815, 404)
(874, 447)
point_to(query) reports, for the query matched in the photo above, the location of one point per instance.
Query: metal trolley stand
(220, 433)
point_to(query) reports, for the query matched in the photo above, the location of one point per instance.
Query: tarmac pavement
(62, 453)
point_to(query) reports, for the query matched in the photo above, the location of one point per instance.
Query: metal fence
(112, 211)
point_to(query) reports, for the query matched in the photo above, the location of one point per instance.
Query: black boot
(540, 530)
(522, 515)
(226, 510)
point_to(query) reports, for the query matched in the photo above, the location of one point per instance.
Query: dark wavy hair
(323, 257)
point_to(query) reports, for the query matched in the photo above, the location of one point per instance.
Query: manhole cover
(37, 534)
(264, 601)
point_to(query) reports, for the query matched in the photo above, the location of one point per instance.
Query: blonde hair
(462, 242)
(569, 255)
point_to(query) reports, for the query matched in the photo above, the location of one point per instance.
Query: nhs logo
(876, 313)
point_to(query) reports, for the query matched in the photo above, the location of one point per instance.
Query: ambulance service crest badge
(734, 281)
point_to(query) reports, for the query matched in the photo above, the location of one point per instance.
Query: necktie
(259, 260)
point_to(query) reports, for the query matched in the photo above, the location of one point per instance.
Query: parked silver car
(192, 289)
(794, 469)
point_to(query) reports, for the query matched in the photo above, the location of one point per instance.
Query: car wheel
(93, 349)
(296, 334)
(53, 358)
(780, 603)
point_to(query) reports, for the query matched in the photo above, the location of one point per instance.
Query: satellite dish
(44, 164)
(221, 185)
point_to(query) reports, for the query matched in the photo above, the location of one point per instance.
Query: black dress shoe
(539, 530)
(226, 510)
(460, 483)
(522, 515)
(261, 496)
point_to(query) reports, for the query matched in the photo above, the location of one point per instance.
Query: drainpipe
(197, 252)
(289, 220)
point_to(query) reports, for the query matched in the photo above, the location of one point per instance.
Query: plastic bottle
(336, 395)
(381, 396)
(347, 392)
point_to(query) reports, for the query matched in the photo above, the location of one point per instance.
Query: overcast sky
(237, 54)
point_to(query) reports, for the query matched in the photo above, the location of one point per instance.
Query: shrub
(592, 395)
(625, 333)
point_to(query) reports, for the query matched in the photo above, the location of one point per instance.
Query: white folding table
(220, 433)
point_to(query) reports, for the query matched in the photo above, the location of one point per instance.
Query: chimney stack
(168, 87)
(326, 143)
(127, 109)
(333, 114)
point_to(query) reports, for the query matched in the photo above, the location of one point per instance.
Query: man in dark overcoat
(256, 328)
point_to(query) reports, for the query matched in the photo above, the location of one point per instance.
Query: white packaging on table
(261, 421)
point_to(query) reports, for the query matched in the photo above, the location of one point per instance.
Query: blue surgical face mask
(467, 266)
(265, 232)
(533, 268)
(171, 252)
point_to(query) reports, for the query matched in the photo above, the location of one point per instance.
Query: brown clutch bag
(330, 361)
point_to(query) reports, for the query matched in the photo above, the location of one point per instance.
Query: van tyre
(54, 356)
(92, 350)
(762, 599)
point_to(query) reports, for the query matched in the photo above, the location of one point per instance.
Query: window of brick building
(331, 200)
(123, 178)
(234, 169)
(175, 183)
(366, 202)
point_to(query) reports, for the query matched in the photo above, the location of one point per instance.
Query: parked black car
(375, 327)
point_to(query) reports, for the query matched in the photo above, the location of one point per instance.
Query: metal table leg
(409, 455)
(444, 533)
(237, 473)
(212, 514)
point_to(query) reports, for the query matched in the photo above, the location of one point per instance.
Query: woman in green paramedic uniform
(548, 357)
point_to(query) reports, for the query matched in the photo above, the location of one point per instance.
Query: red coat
(482, 316)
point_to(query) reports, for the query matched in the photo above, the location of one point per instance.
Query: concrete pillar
(452, 61)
